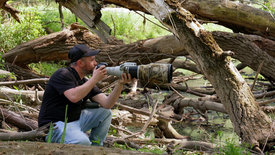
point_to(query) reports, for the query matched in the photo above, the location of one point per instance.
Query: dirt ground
(40, 148)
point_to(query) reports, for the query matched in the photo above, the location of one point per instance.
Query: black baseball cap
(79, 51)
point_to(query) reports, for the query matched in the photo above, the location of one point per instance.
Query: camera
(157, 73)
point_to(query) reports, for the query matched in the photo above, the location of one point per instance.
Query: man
(67, 86)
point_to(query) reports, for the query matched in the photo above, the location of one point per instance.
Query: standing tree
(251, 124)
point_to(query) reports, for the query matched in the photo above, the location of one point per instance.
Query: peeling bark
(235, 94)
(55, 47)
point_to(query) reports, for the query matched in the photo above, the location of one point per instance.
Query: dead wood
(169, 131)
(184, 64)
(268, 109)
(193, 145)
(265, 94)
(228, 13)
(55, 148)
(89, 12)
(17, 120)
(30, 97)
(138, 111)
(184, 88)
(44, 49)
(164, 122)
(3, 72)
(29, 81)
(15, 104)
(126, 118)
(234, 92)
(55, 46)
(29, 135)
(266, 102)
(199, 105)
(13, 11)
(22, 73)
(251, 50)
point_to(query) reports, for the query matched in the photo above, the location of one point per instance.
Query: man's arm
(78, 93)
(109, 101)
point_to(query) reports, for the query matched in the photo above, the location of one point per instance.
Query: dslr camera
(157, 73)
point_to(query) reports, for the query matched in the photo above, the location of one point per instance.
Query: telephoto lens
(153, 73)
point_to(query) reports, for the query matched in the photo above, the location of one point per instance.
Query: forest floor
(31, 148)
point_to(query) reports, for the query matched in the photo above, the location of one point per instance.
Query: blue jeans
(98, 120)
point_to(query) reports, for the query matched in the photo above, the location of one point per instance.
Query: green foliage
(18, 98)
(112, 131)
(46, 68)
(96, 141)
(65, 126)
(152, 150)
(129, 26)
(230, 147)
(51, 19)
(267, 7)
(50, 133)
(216, 27)
(13, 33)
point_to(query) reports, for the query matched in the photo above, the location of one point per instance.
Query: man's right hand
(99, 74)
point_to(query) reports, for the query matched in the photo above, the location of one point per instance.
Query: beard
(87, 71)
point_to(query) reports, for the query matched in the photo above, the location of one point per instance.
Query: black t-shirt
(54, 101)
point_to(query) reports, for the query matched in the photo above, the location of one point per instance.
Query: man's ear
(79, 62)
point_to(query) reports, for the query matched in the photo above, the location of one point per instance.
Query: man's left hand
(125, 79)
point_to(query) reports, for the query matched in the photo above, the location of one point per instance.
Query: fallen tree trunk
(17, 120)
(251, 50)
(30, 81)
(235, 94)
(193, 145)
(234, 15)
(30, 97)
(55, 47)
(29, 135)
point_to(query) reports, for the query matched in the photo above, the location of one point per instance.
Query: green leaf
(50, 133)
(65, 126)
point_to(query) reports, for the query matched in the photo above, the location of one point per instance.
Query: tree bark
(234, 15)
(89, 12)
(13, 11)
(29, 97)
(251, 50)
(17, 120)
(235, 94)
(55, 47)
(23, 136)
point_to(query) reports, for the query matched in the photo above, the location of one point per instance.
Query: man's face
(89, 63)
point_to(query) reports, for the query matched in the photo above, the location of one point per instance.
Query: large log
(237, 16)
(28, 135)
(55, 47)
(234, 92)
(30, 97)
(17, 120)
(251, 50)
(89, 12)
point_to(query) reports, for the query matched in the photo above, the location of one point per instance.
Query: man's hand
(99, 74)
(125, 79)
